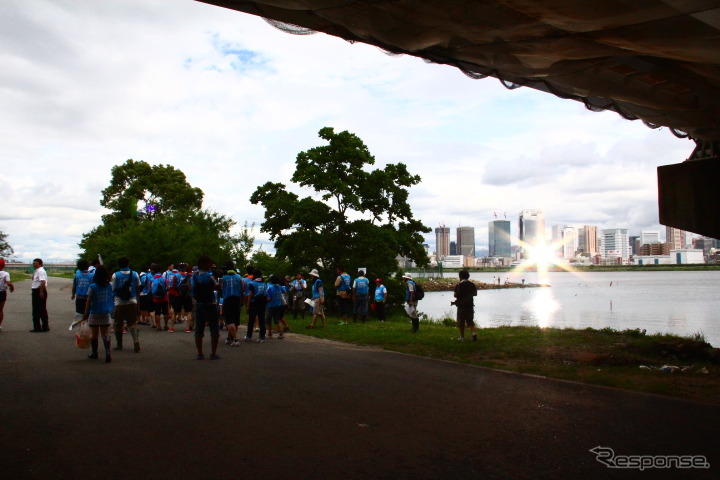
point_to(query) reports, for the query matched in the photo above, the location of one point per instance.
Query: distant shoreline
(579, 268)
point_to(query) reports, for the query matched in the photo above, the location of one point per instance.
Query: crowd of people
(208, 296)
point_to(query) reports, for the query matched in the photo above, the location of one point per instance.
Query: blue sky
(230, 101)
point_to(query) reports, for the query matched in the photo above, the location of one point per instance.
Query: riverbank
(448, 284)
(626, 359)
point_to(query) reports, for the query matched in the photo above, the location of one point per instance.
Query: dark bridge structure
(657, 61)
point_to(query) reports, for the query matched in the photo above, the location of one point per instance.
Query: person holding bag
(100, 304)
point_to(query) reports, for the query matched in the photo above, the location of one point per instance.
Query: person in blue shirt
(318, 298)
(204, 287)
(145, 303)
(344, 290)
(298, 294)
(360, 292)
(100, 303)
(82, 280)
(257, 302)
(380, 299)
(275, 304)
(231, 287)
(126, 285)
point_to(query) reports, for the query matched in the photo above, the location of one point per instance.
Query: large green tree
(357, 217)
(5, 249)
(157, 216)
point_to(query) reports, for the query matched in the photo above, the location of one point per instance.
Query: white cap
(406, 275)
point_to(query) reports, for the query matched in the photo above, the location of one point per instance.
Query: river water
(682, 302)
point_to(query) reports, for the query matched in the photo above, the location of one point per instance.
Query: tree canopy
(156, 216)
(5, 249)
(358, 218)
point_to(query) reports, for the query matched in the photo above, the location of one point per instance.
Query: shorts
(79, 304)
(207, 312)
(465, 317)
(146, 304)
(186, 302)
(99, 320)
(318, 308)
(346, 305)
(3, 297)
(276, 313)
(125, 314)
(161, 308)
(231, 310)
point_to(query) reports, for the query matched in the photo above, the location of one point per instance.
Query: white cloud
(230, 101)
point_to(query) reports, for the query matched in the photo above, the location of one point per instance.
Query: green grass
(601, 357)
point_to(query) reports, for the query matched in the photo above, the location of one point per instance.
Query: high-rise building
(499, 238)
(675, 238)
(648, 237)
(442, 242)
(634, 244)
(466, 241)
(531, 228)
(615, 244)
(453, 248)
(588, 240)
(569, 242)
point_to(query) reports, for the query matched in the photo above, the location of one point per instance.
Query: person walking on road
(5, 285)
(99, 304)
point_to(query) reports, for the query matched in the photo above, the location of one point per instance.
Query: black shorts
(3, 296)
(146, 304)
(161, 308)
(79, 304)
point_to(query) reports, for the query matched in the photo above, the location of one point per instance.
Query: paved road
(305, 408)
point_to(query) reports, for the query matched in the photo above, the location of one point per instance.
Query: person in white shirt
(5, 285)
(39, 298)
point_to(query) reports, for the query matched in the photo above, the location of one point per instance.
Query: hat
(406, 275)
(2, 262)
(315, 273)
(378, 280)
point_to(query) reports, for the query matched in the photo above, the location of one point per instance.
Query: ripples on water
(683, 303)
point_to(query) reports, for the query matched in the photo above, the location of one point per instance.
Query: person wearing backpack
(159, 297)
(410, 298)
(204, 285)
(81, 281)
(125, 285)
(231, 286)
(344, 290)
(257, 302)
(360, 292)
(145, 303)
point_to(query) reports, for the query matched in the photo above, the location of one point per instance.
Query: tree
(157, 216)
(5, 249)
(362, 219)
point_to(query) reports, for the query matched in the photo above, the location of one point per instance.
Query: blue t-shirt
(82, 281)
(231, 286)
(407, 289)
(345, 282)
(275, 295)
(380, 293)
(103, 301)
(258, 290)
(362, 286)
(203, 287)
(122, 276)
(145, 283)
(317, 285)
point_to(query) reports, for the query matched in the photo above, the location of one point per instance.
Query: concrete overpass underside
(657, 61)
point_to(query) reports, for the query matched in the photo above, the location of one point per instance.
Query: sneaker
(187, 330)
(260, 340)
(171, 330)
(281, 336)
(93, 356)
(214, 356)
(461, 339)
(125, 330)
(235, 343)
(228, 341)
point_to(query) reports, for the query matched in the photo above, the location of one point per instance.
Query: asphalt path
(302, 408)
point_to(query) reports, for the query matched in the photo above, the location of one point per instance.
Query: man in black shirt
(464, 293)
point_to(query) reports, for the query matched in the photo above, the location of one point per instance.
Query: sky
(231, 101)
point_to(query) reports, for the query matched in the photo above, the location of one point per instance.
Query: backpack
(125, 292)
(160, 290)
(204, 291)
(419, 292)
(184, 286)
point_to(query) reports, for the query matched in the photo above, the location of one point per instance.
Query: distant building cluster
(585, 244)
